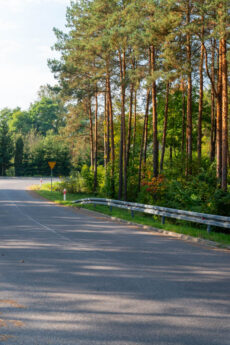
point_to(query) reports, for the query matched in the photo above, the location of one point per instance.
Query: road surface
(69, 277)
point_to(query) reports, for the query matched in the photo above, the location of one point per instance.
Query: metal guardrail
(164, 212)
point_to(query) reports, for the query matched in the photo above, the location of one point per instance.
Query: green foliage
(20, 122)
(18, 156)
(35, 136)
(221, 202)
(108, 186)
(6, 114)
(132, 182)
(6, 146)
(38, 151)
(199, 194)
(49, 148)
(82, 182)
(153, 190)
(72, 184)
(44, 115)
(88, 178)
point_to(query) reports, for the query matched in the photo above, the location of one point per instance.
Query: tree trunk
(144, 140)
(105, 132)
(91, 135)
(213, 111)
(199, 138)
(122, 157)
(183, 120)
(218, 95)
(95, 143)
(135, 123)
(146, 128)
(165, 127)
(130, 122)
(219, 119)
(110, 105)
(224, 114)
(189, 99)
(154, 114)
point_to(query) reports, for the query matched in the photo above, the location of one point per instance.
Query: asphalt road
(72, 278)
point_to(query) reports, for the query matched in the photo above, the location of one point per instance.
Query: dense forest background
(140, 109)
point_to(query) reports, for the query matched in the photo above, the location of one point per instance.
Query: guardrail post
(132, 213)
(111, 208)
(209, 228)
(163, 220)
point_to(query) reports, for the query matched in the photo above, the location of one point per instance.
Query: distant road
(68, 277)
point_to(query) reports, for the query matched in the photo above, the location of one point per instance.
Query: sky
(26, 38)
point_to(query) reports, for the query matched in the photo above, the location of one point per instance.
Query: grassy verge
(140, 218)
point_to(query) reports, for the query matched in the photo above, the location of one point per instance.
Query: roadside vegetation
(181, 227)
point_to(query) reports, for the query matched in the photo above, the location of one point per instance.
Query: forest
(140, 107)
(29, 139)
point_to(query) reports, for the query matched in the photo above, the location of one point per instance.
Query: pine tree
(18, 157)
(6, 147)
(114, 52)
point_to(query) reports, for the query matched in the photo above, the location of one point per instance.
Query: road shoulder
(150, 229)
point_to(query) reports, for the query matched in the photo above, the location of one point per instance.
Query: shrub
(88, 178)
(152, 190)
(73, 184)
(221, 202)
(87, 175)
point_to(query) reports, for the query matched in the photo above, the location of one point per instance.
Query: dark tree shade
(18, 158)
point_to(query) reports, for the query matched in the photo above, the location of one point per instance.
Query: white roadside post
(64, 194)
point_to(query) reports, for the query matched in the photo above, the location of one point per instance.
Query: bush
(221, 202)
(88, 178)
(197, 193)
(87, 175)
(73, 184)
(153, 190)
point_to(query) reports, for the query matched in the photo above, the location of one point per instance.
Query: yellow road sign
(52, 165)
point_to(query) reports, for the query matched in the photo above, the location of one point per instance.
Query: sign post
(51, 165)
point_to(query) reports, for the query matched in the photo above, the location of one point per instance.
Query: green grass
(57, 197)
(140, 218)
